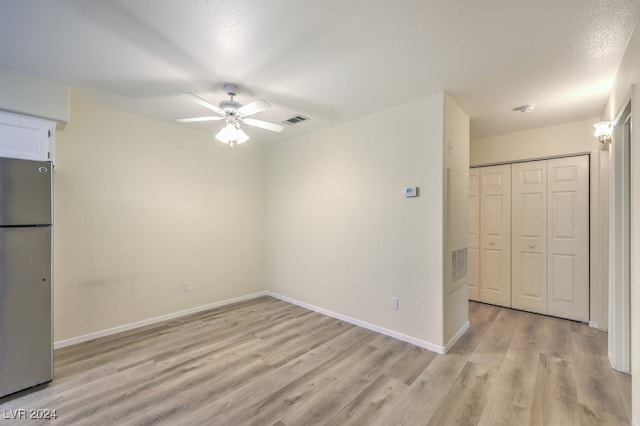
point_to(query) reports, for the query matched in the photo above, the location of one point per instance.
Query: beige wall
(455, 158)
(566, 139)
(140, 207)
(629, 76)
(545, 142)
(340, 234)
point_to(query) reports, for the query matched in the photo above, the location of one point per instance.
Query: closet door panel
(568, 241)
(529, 224)
(474, 234)
(531, 272)
(495, 235)
(563, 270)
(492, 277)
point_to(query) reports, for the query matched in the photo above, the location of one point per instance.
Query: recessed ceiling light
(524, 108)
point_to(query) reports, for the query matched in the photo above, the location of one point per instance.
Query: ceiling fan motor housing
(230, 106)
(231, 89)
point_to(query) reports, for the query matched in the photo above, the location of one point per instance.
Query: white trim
(634, 247)
(403, 337)
(528, 159)
(173, 315)
(457, 336)
(412, 340)
(619, 239)
(593, 324)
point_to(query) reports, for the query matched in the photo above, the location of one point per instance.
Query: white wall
(628, 76)
(340, 234)
(140, 207)
(566, 139)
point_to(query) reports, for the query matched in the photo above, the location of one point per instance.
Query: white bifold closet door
(529, 236)
(568, 237)
(473, 251)
(495, 235)
(550, 237)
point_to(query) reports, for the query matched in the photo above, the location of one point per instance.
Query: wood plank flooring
(267, 362)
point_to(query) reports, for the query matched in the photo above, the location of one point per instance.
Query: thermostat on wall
(410, 191)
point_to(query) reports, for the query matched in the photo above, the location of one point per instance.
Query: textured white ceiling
(328, 60)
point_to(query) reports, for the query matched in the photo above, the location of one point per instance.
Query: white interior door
(473, 251)
(568, 237)
(495, 235)
(529, 243)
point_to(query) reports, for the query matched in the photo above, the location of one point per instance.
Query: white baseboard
(594, 324)
(396, 335)
(416, 342)
(127, 327)
(457, 336)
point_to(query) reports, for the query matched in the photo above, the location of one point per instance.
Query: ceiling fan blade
(254, 107)
(263, 124)
(196, 119)
(197, 99)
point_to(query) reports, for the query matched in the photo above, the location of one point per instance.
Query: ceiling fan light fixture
(231, 134)
(233, 113)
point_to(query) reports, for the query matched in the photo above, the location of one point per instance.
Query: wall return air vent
(295, 119)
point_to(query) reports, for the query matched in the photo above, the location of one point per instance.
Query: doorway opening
(620, 247)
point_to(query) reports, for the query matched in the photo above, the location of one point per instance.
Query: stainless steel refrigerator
(26, 230)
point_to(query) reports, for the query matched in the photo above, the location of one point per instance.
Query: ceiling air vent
(295, 119)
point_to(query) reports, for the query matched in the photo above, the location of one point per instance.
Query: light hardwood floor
(267, 362)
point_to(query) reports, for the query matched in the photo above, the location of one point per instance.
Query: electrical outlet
(186, 286)
(394, 303)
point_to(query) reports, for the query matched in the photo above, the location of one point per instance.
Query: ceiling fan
(233, 113)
